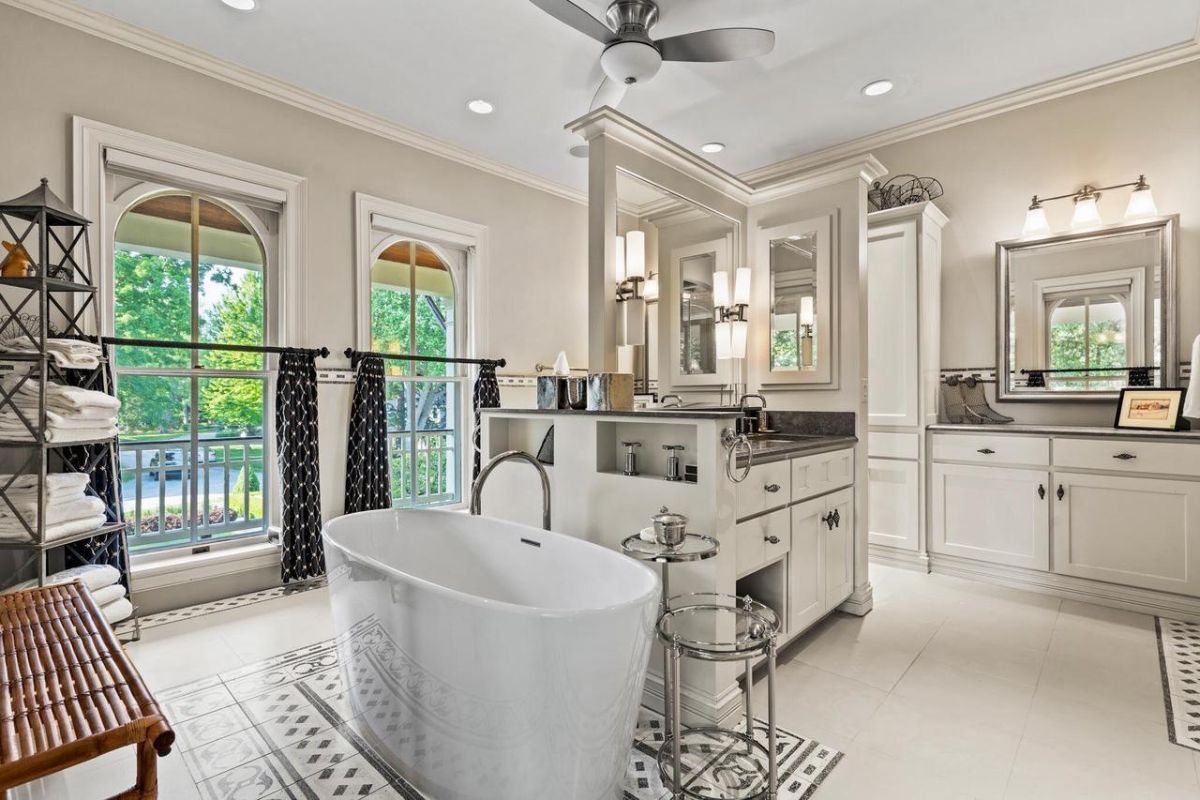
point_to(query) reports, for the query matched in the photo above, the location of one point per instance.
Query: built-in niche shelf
(520, 433)
(769, 587)
(652, 458)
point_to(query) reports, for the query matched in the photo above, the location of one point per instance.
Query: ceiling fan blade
(610, 93)
(577, 18)
(719, 44)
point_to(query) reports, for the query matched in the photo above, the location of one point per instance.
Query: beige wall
(537, 277)
(990, 168)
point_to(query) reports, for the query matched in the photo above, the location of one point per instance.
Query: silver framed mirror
(1081, 315)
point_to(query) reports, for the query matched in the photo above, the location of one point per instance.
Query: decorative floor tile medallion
(287, 728)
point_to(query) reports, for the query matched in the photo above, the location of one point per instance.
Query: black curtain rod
(1090, 369)
(350, 352)
(323, 352)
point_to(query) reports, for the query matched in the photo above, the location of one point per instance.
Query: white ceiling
(417, 62)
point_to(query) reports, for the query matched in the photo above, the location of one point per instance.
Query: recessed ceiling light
(481, 106)
(712, 147)
(241, 5)
(876, 88)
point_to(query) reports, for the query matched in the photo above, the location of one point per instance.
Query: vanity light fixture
(712, 147)
(1087, 209)
(651, 290)
(729, 310)
(878, 88)
(631, 283)
(480, 106)
(241, 5)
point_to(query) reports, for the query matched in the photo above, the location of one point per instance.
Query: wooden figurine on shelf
(17, 264)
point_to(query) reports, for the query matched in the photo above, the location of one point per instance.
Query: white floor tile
(965, 695)
(1056, 772)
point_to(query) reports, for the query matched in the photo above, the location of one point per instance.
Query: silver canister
(551, 392)
(669, 528)
(610, 391)
(577, 391)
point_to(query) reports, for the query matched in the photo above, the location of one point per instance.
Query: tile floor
(948, 689)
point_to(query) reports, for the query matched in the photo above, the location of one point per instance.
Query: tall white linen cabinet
(904, 262)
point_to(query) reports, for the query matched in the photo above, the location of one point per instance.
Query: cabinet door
(991, 514)
(839, 547)
(894, 494)
(1134, 531)
(892, 369)
(806, 565)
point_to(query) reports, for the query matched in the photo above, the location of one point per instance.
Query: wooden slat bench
(69, 693)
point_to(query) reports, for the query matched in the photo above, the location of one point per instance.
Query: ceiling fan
(631, 57)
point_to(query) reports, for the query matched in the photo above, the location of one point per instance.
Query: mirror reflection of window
(1087, 332)
(793, 303)
(697, 340)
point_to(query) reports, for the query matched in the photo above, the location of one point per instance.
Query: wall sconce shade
(722, 332)
(651, 290)
(721, 289)
(1035, 221)
(620, 259)
(741, 287)
(808, 314)
(737, 338)
(1141, 202)
(635, 255)
(1087, 213)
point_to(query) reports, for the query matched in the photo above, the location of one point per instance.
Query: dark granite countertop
(665, 413)
(779, 447)
(1017, 428)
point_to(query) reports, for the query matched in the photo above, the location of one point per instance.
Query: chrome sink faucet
(508, 455)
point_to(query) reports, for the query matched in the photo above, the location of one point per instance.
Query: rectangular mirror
(686, 245)
(799, 302)
(1082, 315)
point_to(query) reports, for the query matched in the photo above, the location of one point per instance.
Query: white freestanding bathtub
(488, 660)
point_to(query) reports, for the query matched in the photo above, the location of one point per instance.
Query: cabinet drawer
(767, 486)
(824, 472)
(762, 540)
(1032, 451)
(885, 444)
(1124, 455)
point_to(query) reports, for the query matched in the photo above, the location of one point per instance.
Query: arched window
(192, 268)
(414, 310)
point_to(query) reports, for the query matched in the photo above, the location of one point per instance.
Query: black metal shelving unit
(53, 301)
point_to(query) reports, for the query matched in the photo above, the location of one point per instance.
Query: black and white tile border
(1179, 657)
(284, 728)
(190, 612)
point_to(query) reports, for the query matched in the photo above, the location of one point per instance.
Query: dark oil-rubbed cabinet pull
(771, 539)
(1042, 491)
(1125, 456)
(1061, 492)
(772, 487)
(837, 518)
(828, 520)
(987, 451)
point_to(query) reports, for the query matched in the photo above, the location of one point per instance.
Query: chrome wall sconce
(631, 294)
(1087, 210)
(730, 312)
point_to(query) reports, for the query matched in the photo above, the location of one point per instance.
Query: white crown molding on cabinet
(764, 178)
(153, 44)
(1164, 58)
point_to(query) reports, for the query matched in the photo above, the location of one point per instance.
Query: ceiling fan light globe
(630, 62)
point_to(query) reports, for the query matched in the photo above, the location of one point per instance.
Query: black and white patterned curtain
(485, 395)
(368, 479)
(98, 460)
(303, 556)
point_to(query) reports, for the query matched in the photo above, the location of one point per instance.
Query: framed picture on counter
(1150, 409)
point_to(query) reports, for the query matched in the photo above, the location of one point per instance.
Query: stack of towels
(101, 580)
(69, 510)
(68, 353)
(72, 414)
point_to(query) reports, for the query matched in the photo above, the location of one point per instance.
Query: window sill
(158, 571)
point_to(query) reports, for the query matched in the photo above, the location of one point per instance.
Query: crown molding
(1164, 58)
(174, 52)
(862, 166)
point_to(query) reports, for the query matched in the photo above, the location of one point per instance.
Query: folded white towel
(66, 353)
(60, 530)
(56, 483)
(58, 419)
(55, 512)
(94, 577)
(117, 610)
(58, 435)
(67, 397)
(108, 594)
(1191, 404)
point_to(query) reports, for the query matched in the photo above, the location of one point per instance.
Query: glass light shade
(721, 289)
(1141, 204)
(723, 331)
(737, 338)
(635, 254)
(807, 311)
(620, 259)
(1035, 222)
(635, 321)
(741, 287)
(651, 290)
(1087, 213)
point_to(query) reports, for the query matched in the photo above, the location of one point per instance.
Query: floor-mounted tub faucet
(521, 455)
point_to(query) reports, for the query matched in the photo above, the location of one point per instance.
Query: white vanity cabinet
(821, 560)
(904, 262)
(1109, 515)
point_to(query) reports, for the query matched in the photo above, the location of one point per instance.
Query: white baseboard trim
(860, 602)
(699, 708)
(1126, 598)
(906, 559)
